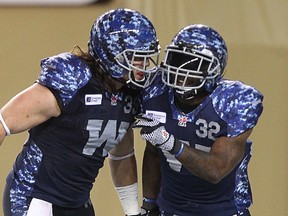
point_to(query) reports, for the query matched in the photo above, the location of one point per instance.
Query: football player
(79, 111)
(197, 130)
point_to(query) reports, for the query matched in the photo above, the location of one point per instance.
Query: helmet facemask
(189, 70)
(141, 65)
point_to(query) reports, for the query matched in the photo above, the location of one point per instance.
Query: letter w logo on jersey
(111, 135)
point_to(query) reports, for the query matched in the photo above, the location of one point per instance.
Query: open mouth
(140, 76)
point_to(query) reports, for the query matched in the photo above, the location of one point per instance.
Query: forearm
(151, 173)
(212, 166)
(151, 179)
(224, 155)
(123, 171)
(124, 176)
(200, 164)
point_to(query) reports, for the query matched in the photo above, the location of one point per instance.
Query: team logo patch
(114, 99)
(182, 121)
(93, 99)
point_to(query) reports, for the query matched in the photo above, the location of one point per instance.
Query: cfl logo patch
(182, 121)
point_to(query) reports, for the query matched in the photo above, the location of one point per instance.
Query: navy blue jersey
(231, 109)
(63, 155)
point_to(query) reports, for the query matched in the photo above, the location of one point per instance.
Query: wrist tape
(128, 196)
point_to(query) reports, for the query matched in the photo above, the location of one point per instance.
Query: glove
(154, 131)
(149, 208)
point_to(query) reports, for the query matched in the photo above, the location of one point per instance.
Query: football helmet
(124, 41)
(195, 59)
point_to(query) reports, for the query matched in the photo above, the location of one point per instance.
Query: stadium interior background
(256, 32)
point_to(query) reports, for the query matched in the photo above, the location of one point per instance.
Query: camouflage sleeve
(241, 106)
(155, 89)
(64, 74)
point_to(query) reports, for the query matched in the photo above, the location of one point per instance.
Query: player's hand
(154, 132)
(143, 120)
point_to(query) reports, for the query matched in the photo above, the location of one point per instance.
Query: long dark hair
(95, 67)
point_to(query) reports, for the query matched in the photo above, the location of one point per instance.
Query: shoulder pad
(65, 73)
(240, 105)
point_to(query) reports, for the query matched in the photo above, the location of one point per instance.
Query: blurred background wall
(256, 32)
